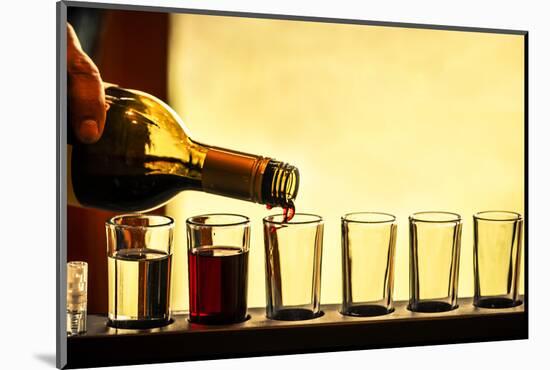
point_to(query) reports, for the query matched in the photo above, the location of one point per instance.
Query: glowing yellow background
(376, 118)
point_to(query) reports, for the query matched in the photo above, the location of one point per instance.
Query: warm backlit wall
(376, 118)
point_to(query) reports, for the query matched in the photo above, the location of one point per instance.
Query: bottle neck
(249, 177)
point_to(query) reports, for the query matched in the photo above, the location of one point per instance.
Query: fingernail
(89, 131)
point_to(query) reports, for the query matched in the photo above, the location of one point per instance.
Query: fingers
(87, 108)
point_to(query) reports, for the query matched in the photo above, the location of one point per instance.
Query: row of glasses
(435, 239)
(140, 251)
(218, 247)
(293, 262)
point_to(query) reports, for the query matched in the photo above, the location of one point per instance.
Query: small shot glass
(139, 262)
(368, 249)
(497, 258)
(293, 252)
(218, 246)
(77, 297)
(434, 261)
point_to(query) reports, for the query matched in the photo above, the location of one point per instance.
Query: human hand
(86, 95)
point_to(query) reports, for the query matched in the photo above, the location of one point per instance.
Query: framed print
(237, 184)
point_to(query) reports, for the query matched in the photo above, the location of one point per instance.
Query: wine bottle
(146, 156)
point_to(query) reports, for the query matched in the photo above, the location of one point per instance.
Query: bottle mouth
(280, 184)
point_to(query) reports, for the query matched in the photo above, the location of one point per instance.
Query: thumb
(86, 97)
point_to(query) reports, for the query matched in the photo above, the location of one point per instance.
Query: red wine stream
(288, 213)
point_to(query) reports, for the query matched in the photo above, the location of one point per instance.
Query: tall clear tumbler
(139, 252)
(497, 256)
(434, 261)
(293, 252)
(217, 254)
(368, 248)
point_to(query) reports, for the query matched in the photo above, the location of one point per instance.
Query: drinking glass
(139, 251)
(217, 253)
(293, 252)
(497, 256)
(434, 261)
(368, 247)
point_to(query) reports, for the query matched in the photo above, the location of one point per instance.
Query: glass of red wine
(217, 253)
(293, 250)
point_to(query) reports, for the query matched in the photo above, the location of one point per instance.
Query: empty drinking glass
(293, 253)
(497, 256)
(434, 261)
(368, 248)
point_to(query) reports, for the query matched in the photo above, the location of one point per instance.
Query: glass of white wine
(139, 252)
